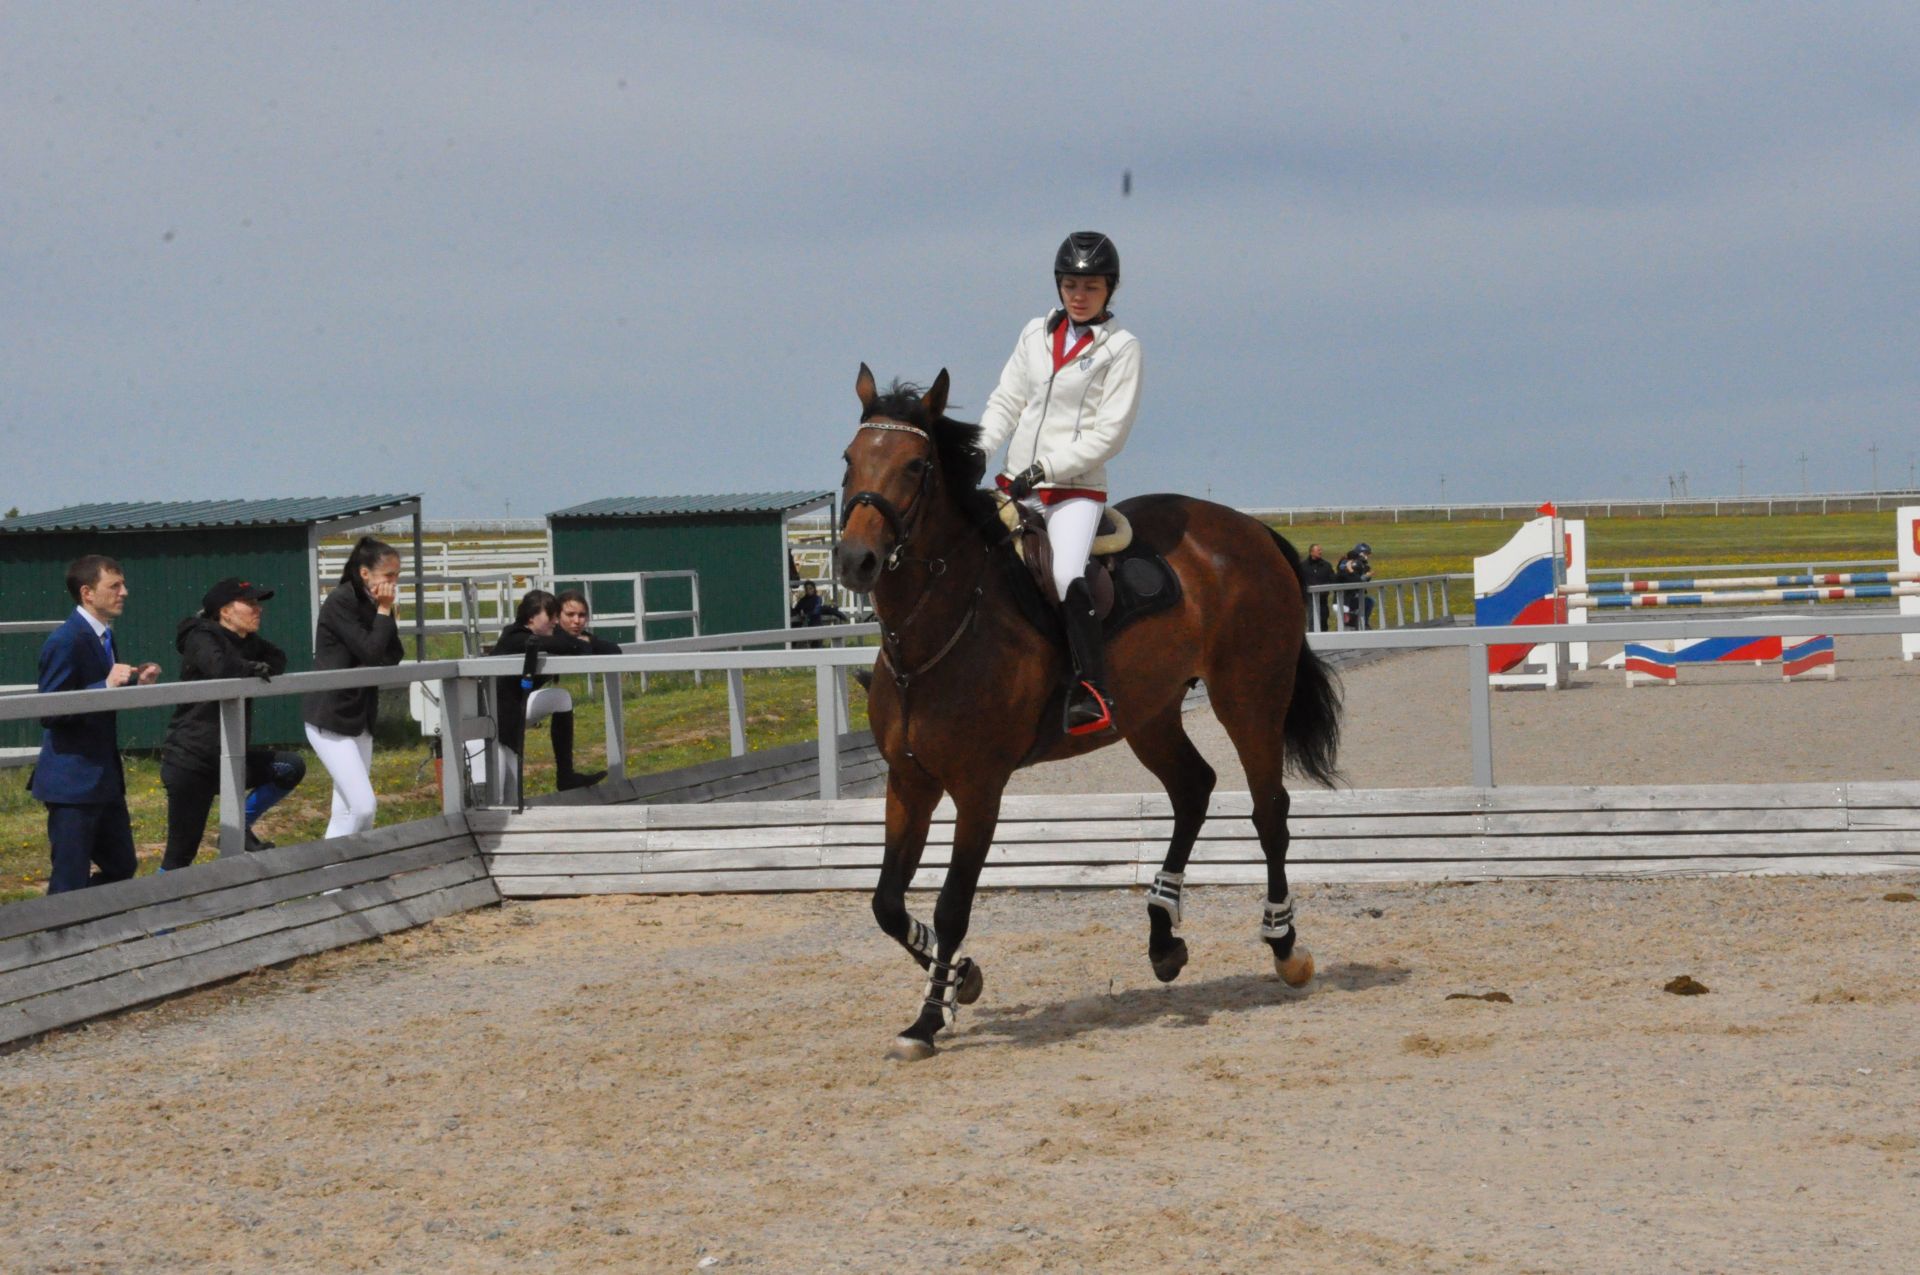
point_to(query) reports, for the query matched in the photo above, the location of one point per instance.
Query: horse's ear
(935, 398)
(864, 387)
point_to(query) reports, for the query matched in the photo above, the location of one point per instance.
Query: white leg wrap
(1164, 894)
(1277, 921)
(943, 989)
(922, 939)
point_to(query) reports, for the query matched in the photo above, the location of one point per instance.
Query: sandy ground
(685, 1084)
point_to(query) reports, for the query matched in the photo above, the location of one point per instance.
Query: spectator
(356, 629)
(575, 617)
(520, 700)
(78, 774)
(1356, 567)
(221, 639)
(1316, 570)
(811, 610)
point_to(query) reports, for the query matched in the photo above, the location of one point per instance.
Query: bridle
(903, 525)
(896, 520)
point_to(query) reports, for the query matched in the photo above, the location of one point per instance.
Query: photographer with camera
(1356, 567)
(222, 639)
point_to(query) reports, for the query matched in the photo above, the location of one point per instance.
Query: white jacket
(1071, 422)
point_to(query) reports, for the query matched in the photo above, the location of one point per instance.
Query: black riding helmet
(1087, 252)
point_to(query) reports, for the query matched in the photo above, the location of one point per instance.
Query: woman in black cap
(222, 639)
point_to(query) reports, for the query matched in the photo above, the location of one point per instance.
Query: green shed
(171, 552)
(738, 545)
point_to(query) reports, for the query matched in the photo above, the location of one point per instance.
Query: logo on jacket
(1086, 361)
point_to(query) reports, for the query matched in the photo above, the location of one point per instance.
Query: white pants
(1071, 527)
(349, 759)
(541, 705)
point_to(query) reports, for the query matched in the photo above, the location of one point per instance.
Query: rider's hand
(1023, 485)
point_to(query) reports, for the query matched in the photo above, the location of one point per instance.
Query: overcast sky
(504, 255)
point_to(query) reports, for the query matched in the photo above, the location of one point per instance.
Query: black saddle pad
(1143, 585)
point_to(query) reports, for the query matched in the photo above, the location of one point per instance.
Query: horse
(967, 689)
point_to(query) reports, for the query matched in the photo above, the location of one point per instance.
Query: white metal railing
(1423, 598)
(458, 683)
(25, 627)
(641, 615)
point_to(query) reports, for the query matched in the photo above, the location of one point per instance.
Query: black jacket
(1316, 571)
(351, 633)
(509, 697)
(210, 650)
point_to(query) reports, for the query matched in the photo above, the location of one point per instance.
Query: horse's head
(893, 477)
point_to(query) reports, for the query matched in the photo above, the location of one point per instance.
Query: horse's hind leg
(1164, 749)
(911, 798)
(1253, 717)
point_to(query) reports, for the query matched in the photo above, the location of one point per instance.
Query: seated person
(220, 640)
(810, 609)
(517, 706)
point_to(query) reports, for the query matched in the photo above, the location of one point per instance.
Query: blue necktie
(106, 639)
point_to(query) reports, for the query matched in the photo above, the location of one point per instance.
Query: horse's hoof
(1296, 970)
(972, 982)
(909, 1049)
(1167, 965)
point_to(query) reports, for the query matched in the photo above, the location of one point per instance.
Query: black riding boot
(1089, 707)
(565, 776)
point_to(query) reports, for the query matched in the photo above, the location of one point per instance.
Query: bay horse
(967, 689)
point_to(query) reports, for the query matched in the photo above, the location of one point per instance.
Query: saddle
(1127, 581)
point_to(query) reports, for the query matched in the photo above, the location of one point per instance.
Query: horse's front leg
(952, 980)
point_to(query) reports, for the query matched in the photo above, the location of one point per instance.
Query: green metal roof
(293, 511)
(762, 502)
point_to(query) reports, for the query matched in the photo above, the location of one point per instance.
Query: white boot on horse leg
(1276, 926)
(1167, 952)
(942, 1006)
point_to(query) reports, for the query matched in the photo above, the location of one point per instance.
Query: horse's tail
(1312, 728)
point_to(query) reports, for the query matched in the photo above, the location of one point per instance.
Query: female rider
(1064, 406)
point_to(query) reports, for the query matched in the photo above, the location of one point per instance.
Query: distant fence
(1701, 507)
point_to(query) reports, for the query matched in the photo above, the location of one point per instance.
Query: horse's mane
(957, 445)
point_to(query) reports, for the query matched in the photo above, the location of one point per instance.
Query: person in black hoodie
(536, 628)
(222, 639)
(1317, 570)
(356, 629)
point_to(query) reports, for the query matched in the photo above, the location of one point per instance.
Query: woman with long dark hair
(356, 629)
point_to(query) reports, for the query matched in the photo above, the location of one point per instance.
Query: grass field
(676, 724)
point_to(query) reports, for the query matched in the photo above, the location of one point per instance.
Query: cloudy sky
(520, 259)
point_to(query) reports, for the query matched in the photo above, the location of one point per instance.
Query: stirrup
(1103, 722)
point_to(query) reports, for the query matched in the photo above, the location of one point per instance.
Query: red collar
(1061, 354)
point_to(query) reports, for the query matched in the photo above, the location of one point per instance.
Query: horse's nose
(858, 566)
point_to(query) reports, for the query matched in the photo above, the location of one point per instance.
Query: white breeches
(349, 759)
(541, 705)
(1071, 527)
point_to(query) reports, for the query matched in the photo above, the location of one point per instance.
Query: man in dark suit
(78, 775)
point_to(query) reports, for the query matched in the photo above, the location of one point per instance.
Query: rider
(1066, 401)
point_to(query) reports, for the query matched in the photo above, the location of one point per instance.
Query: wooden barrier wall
(70, 957)
(765, 775)
(1431, 834)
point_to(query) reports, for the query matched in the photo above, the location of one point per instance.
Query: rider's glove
(1022, 486)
